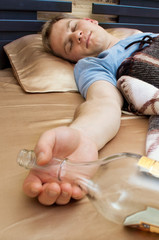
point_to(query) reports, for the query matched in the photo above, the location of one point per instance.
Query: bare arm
(96, 122)
(99, 116)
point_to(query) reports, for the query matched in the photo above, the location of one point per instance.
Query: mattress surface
(23, 117)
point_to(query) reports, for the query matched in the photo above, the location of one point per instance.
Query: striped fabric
(139, 83)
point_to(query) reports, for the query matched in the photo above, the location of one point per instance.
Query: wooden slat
(20, 25)
(143, 3)
(4, 62)
(36, 5)
(142, 27)
(3, 42)
(125, 10)
(141, 20)
(10, 36)
(18, 15)
(19, 18)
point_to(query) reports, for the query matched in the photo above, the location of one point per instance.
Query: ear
(91, 20)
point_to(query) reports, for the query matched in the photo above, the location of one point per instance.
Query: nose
(77, 36)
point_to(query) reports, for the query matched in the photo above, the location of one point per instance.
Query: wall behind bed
(83, 8)
(22, 17)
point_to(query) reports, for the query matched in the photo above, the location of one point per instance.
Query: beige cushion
(36, 70)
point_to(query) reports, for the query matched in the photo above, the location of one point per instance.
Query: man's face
(74, 39)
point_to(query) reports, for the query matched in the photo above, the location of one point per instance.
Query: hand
(62, 142)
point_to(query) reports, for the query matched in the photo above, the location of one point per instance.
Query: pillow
(37, 70)
(122, 33)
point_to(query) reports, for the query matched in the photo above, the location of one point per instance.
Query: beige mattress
(23, 118)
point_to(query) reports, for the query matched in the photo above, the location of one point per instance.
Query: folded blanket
(138, 81)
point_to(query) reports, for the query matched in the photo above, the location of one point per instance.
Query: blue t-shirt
(105, 65)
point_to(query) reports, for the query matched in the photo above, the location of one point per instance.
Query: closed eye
(74, 27)
(71, 42)
(70, 45)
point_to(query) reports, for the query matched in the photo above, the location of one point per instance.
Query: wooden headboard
(139, 14)
(19, 18)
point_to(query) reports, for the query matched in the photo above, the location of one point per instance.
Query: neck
(113, 41)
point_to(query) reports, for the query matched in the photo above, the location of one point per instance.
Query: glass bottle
(124, 187)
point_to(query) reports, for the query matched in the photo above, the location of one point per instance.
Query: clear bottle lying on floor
(124, 187)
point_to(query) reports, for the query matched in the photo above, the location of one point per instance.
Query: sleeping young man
(98, 55)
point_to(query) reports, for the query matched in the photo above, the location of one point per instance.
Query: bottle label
(147, 220)
(146, 227)
(149, 165)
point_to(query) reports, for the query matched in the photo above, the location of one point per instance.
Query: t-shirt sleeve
(90, 70)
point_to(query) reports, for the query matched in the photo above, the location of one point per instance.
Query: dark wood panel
(36, 5)
(20, 25)
(142, 27)
(10, 36)
(143, 3)
(141, 20)
(18, 15)
(124, 10)
(4, 62)
(19, 18)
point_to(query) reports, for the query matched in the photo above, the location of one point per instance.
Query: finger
(66, 193)
(77, 193)
(44, 147)
(55, 143)
(32, 185)
(49, 194)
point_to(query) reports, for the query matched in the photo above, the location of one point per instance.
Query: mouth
(88, 39)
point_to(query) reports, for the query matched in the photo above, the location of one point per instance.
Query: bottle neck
(26, 159)
(63, 170)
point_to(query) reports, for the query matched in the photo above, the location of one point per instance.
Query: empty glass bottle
(124, 187)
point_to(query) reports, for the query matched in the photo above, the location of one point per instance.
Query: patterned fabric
(138, 80)
(141, 98)
(144, 63)
(152, 140)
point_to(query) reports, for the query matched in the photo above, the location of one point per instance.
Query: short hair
(47, 27)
